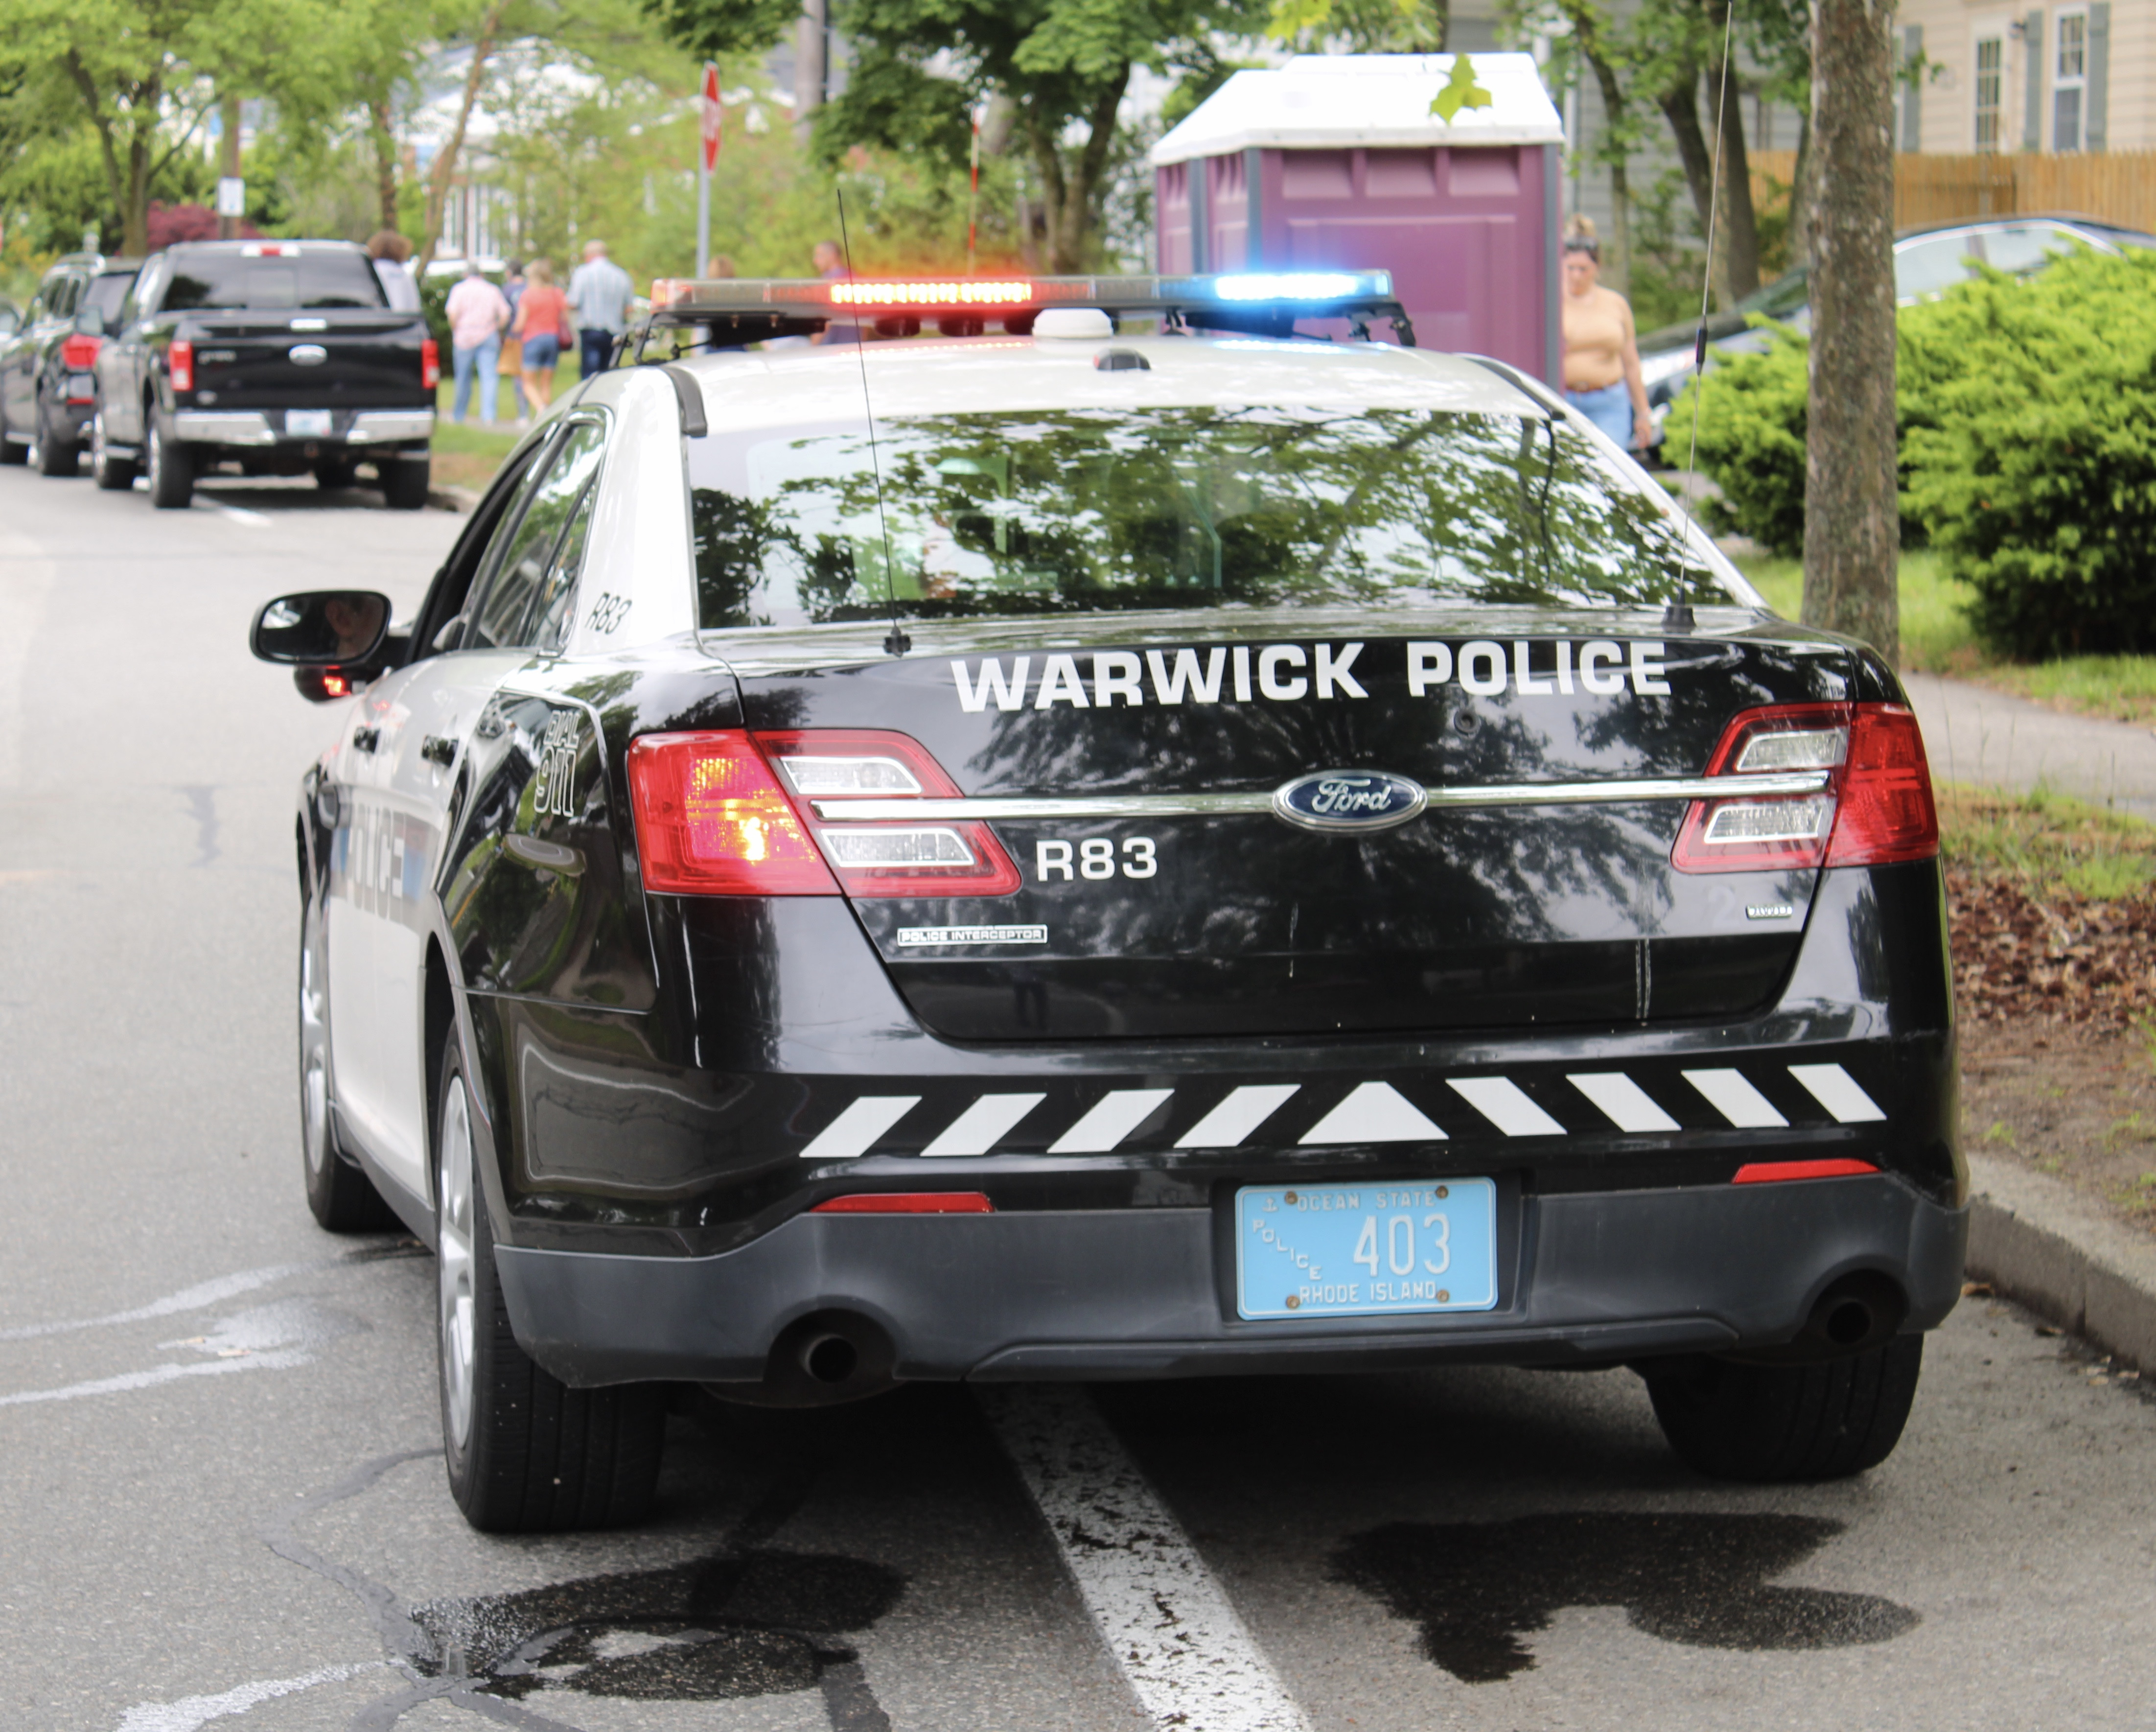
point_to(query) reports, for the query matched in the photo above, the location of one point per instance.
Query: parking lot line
(1166, 1619)
(240, 514)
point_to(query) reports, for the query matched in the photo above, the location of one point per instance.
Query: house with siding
(2053, 80)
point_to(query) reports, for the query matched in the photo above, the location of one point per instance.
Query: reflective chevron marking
(1835, 1089)
(1736, 1100)
(1235, 1119)
(1505, 1105)
(1113, 1118)
(855, 1131)
(984, 1124)
(1374, 1112)
(1623, 1101)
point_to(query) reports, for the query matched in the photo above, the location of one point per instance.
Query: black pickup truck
(281, 357)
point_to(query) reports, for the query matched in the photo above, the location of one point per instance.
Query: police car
(1044, 853)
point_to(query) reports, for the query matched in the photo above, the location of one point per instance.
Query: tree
(1852, 516)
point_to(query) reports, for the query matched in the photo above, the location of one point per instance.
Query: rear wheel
(10, 452)
(527, 1454)
(1774, 1423)
(53, 452)
(405, 481)
(113, 473)
(169, 466)
(343, 1198)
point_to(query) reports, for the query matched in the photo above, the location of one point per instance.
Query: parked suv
(48, 394)
(281, 357)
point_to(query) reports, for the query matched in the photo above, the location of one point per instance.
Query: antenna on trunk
(1679, 616)
(897, 643)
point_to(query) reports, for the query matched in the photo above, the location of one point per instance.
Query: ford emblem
(307, 354)
(1349, 799)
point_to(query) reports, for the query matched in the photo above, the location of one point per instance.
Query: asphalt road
(223, 1503)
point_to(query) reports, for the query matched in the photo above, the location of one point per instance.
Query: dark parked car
(1928, 261)
(281, 357)
(48, 390)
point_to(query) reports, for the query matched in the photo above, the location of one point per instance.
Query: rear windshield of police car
(1052, 511)
(231, 282)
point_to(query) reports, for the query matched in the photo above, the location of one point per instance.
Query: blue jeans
(597, 350)
(482, 360)
(1610, 409)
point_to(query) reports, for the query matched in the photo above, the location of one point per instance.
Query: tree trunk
(1852, 519)
(1680, 106)
(228, 228)
(1803, 196)
(1586, 29)
(382, 125)
(446, 165)
(811, 76)
(1739, 226)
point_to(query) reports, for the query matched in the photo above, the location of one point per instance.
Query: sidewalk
(1973, 734)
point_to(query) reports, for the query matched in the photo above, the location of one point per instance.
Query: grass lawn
(2047, 842)
(467, 456)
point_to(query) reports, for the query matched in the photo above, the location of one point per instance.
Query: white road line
(1235, 1119)
(1166, 1619)
(1118, 1112)
(1628, 1106)
(855, 1130)
(191, 1712)
(240, 514)
(283, 1360)
(984, 1124)
(1374, 1113)
(1840, 1093)
(1736, 1100)
(188, 1298)
(1505, 1105)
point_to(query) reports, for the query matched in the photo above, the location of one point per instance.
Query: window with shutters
(1990, 89)
(2069, 80)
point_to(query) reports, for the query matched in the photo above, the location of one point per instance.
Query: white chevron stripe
(855, 1130)
(1235, 1119)
(984, 1124)
(1114, 1118)
(1374, 1113)
(1736, 1100)
(1835, 1089)
(1627, 1105)
(1505, 1105)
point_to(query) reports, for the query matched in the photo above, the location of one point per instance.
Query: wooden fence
(2114, 187)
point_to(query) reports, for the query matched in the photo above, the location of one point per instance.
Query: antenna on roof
(898, 643)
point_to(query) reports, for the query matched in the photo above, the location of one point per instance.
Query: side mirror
(321, 628)
(90, 322)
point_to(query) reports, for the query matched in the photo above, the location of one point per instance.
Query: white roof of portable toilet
(1328, 101)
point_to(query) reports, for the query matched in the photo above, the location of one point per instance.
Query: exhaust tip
(829, 1359)
(821, 1360)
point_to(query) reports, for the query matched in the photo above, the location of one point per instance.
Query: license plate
(81, 387)
(309, 423)
(1366, 1250)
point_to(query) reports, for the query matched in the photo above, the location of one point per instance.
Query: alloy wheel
(314, 1047)
(453, 1255)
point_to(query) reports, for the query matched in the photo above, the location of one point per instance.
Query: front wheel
(1774, 1424)
(53, 452)
(405, 481)
(170, 467)
(527, 1454)
(10, 452)
(113, 473)
(334, 476)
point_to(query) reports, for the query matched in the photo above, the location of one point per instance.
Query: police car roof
(788, 387)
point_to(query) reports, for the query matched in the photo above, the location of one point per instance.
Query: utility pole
(812, 44)
(231, 189)
(1852, 516)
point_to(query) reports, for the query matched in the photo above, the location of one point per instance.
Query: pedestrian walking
(538, 327)
(599, 294)
(477, 313)
(390, 253)
(511, 366)
(1602, 377)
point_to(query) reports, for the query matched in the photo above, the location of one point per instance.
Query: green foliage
(1460, 91)
(1362, 27)
(1752, 430)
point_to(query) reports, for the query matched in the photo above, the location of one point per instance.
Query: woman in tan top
(1601, 351)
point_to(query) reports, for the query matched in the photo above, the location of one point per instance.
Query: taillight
(907, 1202)
(180, 363)
(78, 352)
(430, 363)
(1876, 807)
(734, 814)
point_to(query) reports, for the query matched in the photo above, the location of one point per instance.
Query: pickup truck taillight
(180, 364)
(430, 364)
(78, 352)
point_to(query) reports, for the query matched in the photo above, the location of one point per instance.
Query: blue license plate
(1366, 1250)
(309, 423)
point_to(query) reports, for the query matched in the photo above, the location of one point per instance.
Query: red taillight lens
(712, 820)
(1777, 1172)
(1876, 808)
(180, 363)
(907, 1202)
(78, 352)
(430, 363)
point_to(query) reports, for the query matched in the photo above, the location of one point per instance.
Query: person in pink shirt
(540, 313)
(477, 311)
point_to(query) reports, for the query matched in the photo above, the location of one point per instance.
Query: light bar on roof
(678, 296)
(1302, 285)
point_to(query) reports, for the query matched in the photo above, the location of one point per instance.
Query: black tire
(342, 1197)
(405, 481)
(55, 453)
(114, 475)
(526, 1453)
(334, 477)
(10, 452)
(1773, 1424)
(168, 465)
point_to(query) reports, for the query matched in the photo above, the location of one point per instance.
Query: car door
(23, 359)
(424, 715)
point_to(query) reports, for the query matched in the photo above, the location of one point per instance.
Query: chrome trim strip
(1232, 805)
(223, 427)
(380, 426)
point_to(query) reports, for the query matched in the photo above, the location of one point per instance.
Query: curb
(452, 499)
(2038, 1241)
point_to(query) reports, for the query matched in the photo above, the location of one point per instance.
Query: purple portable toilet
(1335, 161)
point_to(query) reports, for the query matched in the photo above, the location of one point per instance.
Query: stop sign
(714, 124)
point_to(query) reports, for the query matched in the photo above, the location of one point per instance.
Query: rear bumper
(1596, 1277)
(256, 428)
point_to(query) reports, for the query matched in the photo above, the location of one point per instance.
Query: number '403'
(1400, 1249)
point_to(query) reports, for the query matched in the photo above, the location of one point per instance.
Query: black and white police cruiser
(1051, 854)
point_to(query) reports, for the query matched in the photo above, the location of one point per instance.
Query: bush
(1751, 442)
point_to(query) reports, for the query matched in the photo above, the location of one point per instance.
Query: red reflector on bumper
(907, 1202)
(1772, 1172)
